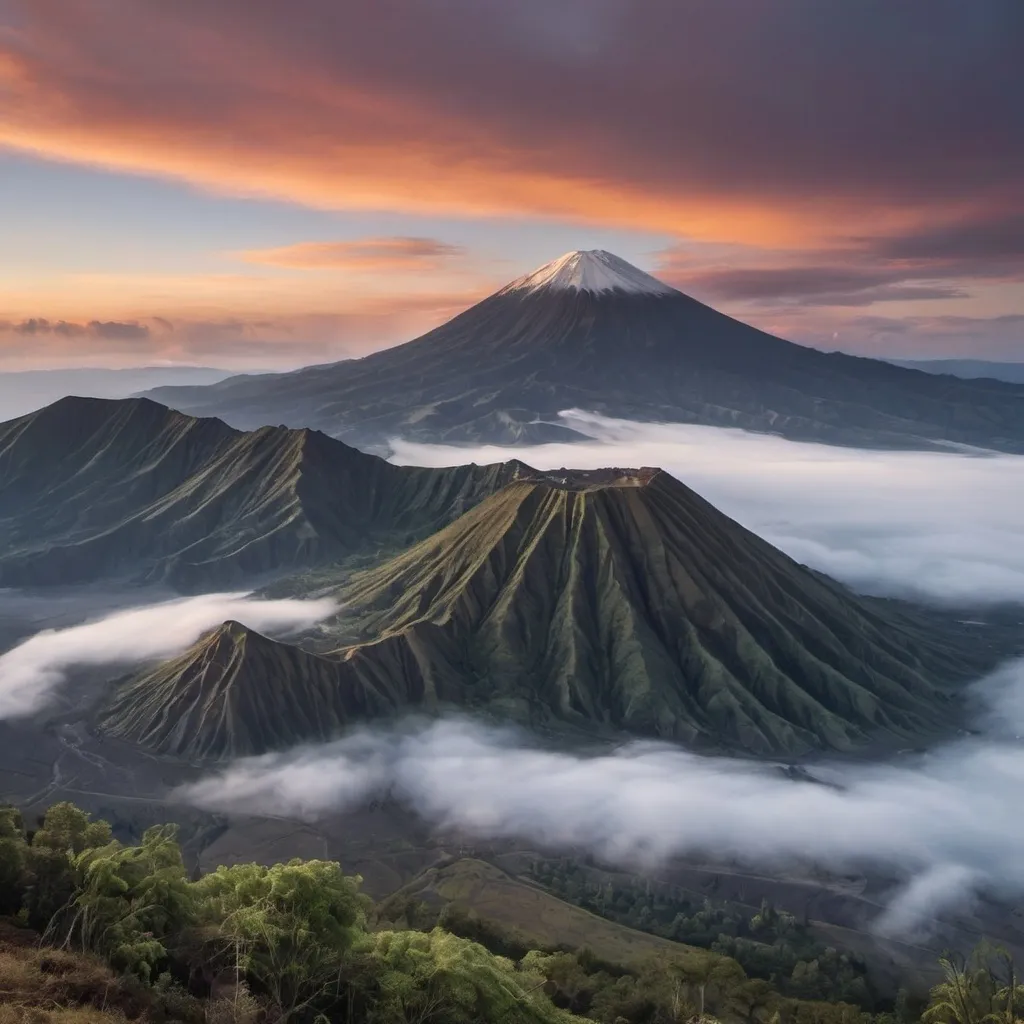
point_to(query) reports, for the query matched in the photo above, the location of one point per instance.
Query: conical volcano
(236, 692)
(593, 332)
(623, 598)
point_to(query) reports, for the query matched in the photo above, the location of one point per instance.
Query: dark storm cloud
(996, 238)
(935, 261)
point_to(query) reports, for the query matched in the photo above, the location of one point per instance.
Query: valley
(400, 856)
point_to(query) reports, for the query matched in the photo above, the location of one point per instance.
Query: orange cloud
(688, 120)
(365, 255)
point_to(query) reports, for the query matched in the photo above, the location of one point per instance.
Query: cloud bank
(944, 527)
(367, 254)
(681, 117)
(946, 822)
(31, 672)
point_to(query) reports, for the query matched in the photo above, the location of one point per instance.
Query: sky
(250, 184)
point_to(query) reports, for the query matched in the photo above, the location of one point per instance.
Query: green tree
(1008, 999)
(13, 855)
(285, 929)
(571, 986)
(437, 977)
(68, 829)
(964, 996)
(52, 879)
(133, 902)
(712, 980)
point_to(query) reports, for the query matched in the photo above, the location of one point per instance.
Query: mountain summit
(590, 270)
(592, 332)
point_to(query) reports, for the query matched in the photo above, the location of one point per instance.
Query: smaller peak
(79, 402)
(589, 270)
(82, 413)
(228, 632)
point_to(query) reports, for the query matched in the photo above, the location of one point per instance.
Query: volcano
(606, 602)
(590, 331)
(236, 692)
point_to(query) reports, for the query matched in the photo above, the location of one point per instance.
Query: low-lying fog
(948, 822)
(31, 672)
(940, 526)
(946, 527)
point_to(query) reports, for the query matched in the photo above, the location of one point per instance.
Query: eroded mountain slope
(93, 489)
(604, 601)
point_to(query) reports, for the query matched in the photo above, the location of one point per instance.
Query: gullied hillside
(611, 604)
(236, 692)
(93, 489)
(589, 331)
(638, 605)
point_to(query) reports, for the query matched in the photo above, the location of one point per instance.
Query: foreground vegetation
(96, 931)
(768, 944)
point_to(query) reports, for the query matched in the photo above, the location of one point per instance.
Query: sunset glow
(375, 172)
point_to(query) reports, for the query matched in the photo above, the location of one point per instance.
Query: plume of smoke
(31, 672)
(948, 820)
(944, 526)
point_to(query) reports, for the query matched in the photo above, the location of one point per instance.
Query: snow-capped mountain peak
(591, 270)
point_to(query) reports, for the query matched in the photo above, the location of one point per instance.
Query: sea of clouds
(945, 527)
(940, 526)
(946, 822)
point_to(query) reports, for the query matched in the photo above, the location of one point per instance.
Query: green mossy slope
(642, 607)
(93, 489)
(236, 692)
(611, 604)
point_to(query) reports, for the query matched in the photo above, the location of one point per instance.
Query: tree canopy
(299, 943)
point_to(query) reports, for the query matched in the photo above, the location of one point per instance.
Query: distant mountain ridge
(609, 601)
(968, 369)
(93, 489)
(25, 391)
(590, 331)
